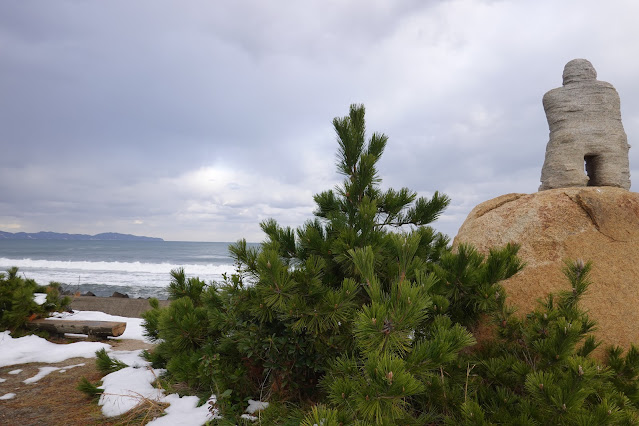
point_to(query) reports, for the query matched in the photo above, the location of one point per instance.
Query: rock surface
(584, 117)
(600, 224)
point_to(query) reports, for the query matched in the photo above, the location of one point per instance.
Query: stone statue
(588, 145)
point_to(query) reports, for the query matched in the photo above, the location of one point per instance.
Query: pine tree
(363, 316)
(540, 370)
(363, 307)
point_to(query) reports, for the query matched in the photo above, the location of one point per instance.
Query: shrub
(364, 315)
(366, 286)
(540, 369)
(89, 389)
(105, 364)
(17, 303)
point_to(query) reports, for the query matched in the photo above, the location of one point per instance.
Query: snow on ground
(69, 367)
(134, 329)
(45, 371)
(184, 412)
(131, 358)
(252, 408)
(123, 389)
(126, 388)
(36, 349)
(256, 406)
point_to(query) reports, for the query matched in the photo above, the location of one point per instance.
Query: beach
(122, 306)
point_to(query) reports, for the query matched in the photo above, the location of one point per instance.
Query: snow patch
(131, 358)
(69, 367)
(126, 388)
(44, 371)
(39, 298)
(32, 348)
(184, 412)
(256, 406)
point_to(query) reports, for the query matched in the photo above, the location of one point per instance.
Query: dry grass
(51, 401)
(146, 410)
(54, 400)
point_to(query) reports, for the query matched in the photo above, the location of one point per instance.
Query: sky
(195, 121)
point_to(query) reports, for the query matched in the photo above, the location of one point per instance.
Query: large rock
(584, 117)
(600, 224)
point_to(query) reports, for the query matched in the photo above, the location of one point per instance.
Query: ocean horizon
(136, 268)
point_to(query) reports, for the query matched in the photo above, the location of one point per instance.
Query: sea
(135, 268)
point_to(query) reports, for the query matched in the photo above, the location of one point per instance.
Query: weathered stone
(584, 117)
(597, 224)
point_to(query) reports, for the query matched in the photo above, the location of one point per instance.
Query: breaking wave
(102, 277)
(152, 268)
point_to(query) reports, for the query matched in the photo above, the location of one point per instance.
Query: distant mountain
(106, 236)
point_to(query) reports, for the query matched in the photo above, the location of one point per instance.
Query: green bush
(90, 389)
(17, 303)
(105, 364)
(539, 370)
(364, 315)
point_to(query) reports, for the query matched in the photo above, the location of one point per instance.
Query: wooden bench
(100, 329)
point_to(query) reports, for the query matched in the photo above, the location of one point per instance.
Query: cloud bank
(196, 121)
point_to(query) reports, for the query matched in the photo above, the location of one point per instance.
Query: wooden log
(92, 328)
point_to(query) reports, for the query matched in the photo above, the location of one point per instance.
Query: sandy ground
(54, 399)
(131, 308)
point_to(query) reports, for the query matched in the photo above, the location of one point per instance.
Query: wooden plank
(93, 328)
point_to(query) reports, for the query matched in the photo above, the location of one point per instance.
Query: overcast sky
(196, 120)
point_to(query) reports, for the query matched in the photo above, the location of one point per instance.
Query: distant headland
(106, 236)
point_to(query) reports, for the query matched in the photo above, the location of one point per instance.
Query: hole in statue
(590, 165)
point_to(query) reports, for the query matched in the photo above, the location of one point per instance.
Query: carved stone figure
(588, 145)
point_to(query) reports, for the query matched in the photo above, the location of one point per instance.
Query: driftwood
(100, 329)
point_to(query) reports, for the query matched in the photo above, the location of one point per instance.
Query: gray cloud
(196, 121)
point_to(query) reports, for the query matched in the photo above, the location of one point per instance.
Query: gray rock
(588, 145)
